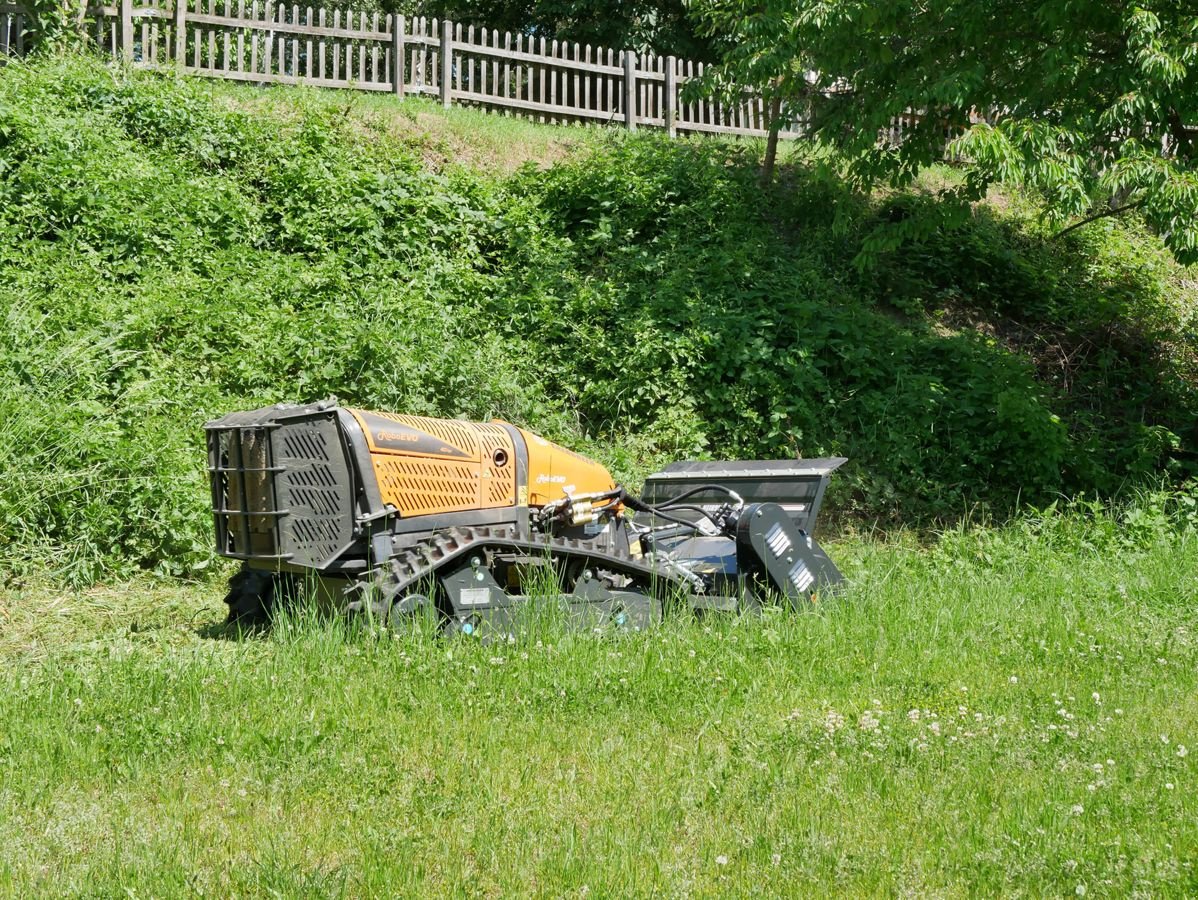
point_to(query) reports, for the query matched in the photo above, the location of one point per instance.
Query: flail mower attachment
(396, 516)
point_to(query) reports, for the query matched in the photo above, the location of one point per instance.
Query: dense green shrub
(169, 252)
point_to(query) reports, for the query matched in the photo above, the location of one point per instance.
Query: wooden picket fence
(267, 42)
(14, 27)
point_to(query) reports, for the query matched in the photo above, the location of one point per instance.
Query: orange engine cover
(427, 466)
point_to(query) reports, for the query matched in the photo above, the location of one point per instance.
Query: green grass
(464, 136)
(1004, 712)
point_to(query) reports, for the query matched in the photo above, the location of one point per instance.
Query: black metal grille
(314, 485)
(244, 506)
(281, 488)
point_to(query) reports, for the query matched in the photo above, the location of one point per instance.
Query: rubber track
(439, 550)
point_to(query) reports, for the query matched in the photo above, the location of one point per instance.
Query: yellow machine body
(427, 466)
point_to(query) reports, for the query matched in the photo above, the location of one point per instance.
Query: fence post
(629, 90)
(6, 22)
(446, 62)
(127, 29)
(671, 92)
(398, 54)
(180, 33)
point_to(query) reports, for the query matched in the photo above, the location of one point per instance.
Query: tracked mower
(395, 516)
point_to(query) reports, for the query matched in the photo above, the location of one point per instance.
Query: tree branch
(1181, 134)
(1113, 211)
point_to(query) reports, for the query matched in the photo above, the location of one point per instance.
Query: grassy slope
(1033, 692)
(171, 250)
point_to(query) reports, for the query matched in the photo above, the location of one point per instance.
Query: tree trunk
(771, 141)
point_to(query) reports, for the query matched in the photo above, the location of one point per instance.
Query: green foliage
(170, 251)
(753, 341)
(1091, 104)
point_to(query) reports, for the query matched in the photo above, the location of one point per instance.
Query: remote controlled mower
(398, 515)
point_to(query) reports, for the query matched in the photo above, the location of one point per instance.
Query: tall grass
(1001, 712)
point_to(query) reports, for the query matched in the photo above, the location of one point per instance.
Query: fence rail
(267, 42)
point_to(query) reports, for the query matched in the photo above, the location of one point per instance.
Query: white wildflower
(1182, 751)
(1080, 890)
(1014, 679)
(1077, 809)
(1168, 785)
(721, 860)
(913, 715)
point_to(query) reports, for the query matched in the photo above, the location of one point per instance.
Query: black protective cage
(245, 507)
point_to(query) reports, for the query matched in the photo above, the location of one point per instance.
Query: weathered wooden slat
(520, 85)
(533, 106)
(308, 45)
(254, 40)
(709, 128)
(268, 38)
(321, 61)
(211, 41)
(644, 114)
(540, 95)
(444, 66)
(145, 13)
(530, 56)
(399, 55)
(507, 65)
(494, 64)
(362, 63)
(629, 90)
(283, 27)
(610, 82)
(670, 111)
(587, 81)
(335, 75)
(276, 78)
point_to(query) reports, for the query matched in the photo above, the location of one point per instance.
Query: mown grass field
(1003, 712)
